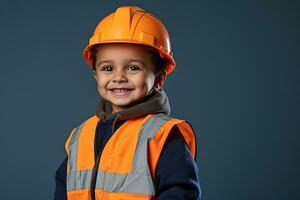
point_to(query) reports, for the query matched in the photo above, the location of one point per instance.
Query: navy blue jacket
(177, 175)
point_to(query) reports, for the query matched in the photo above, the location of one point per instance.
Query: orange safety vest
(128, 160)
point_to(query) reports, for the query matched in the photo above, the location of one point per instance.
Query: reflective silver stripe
(73, 148)
(147, 132)
(78, 180)
(138, 181)
(134, 182)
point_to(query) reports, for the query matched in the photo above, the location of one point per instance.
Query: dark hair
(93, 56)
(159, 62)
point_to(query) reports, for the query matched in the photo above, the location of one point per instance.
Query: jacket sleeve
(60, 181)
(177, 177)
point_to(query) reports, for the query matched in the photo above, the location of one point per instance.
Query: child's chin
(121, 104)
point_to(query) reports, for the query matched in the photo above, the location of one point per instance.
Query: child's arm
(177, 173)
(60, 181)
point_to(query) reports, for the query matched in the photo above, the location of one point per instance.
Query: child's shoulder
(88, 121)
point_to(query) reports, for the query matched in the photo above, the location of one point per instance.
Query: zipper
(97, 161)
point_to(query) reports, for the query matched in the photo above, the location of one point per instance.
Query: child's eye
(106, 68)
(133, 67)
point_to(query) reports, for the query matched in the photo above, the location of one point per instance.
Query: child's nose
(119, 76)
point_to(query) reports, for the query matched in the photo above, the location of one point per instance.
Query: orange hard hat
(131, 24)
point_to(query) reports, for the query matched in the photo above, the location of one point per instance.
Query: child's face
(124, 74)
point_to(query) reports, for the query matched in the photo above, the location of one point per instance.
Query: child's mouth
(121, 91)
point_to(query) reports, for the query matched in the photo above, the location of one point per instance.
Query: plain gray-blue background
(237, 82)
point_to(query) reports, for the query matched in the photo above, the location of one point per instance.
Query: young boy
(131, 148)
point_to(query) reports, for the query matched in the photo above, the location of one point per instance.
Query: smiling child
(131, 148)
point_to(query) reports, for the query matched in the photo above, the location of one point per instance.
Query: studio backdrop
(236, 81)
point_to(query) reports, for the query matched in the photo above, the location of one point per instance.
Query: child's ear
(94, 72)
(159, 80)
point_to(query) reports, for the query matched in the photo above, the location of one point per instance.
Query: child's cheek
(141, 81)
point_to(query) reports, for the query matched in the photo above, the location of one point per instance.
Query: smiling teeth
(120, 90)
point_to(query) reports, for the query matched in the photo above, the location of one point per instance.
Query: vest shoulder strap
(85, 127)
(164, 124)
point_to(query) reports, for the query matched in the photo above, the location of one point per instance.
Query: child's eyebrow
(103, 61)
(128, 60)
(136, 60)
